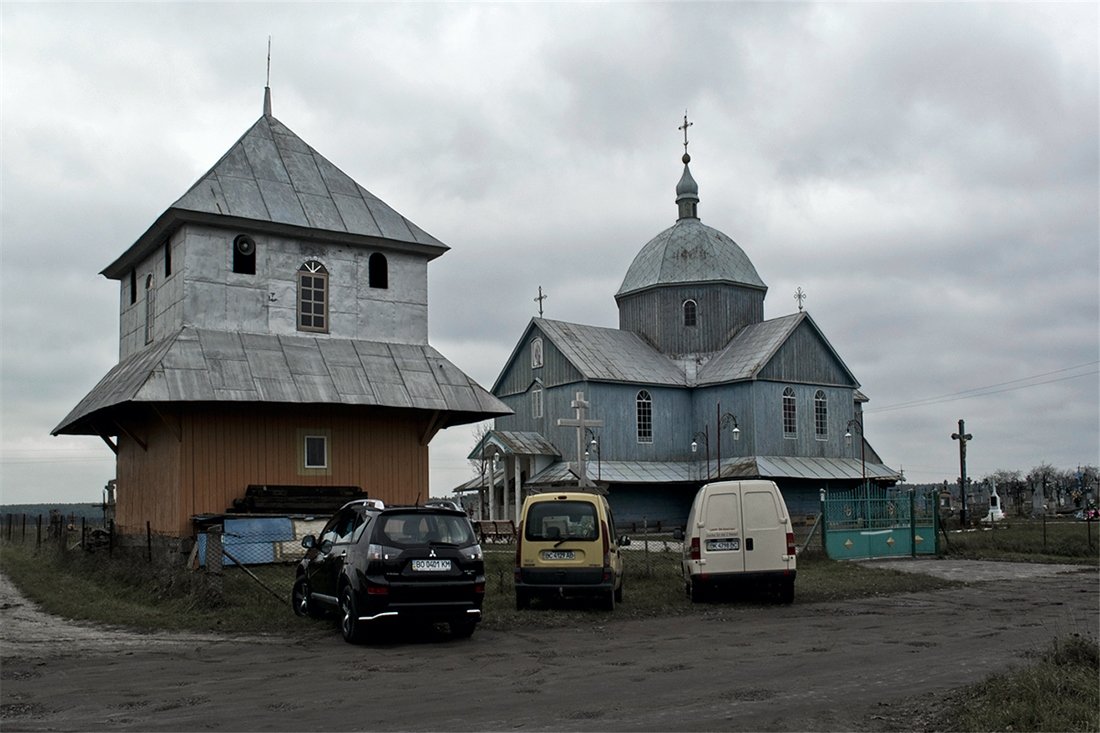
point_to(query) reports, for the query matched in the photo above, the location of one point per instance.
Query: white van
(738, 532)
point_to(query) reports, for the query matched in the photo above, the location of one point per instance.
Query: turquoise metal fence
(871, 522)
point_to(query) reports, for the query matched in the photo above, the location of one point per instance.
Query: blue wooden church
(693, 385)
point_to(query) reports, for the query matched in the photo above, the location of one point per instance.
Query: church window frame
(691, 313)
(790, 413)
(378, 271)
(821, 415)
(644, 411)
(536, 401)
(313, 280)
(536, 354)
(150, 308)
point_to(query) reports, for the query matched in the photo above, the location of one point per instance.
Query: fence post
(645, 531)
(11, 522)
(148, 541)
(912, 524)
(25, 528)
(83, 531)
(111, 538)
(38, 538)
(824, 525)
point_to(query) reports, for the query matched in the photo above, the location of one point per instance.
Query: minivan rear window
(412, 529)
(559, 520)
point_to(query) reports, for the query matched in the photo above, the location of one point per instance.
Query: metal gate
(871, 522)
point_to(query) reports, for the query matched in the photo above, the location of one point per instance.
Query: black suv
(373, 563)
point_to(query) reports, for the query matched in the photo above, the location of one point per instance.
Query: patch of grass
(1058, 692)
(1023, 540)
(125, 590)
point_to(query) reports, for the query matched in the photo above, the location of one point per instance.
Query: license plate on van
(558, 555)
(724, 545)
(431, 566)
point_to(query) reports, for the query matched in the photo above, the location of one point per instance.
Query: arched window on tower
(313, 297)
(821, 415)
(690, 312)
(378, 274)
(150, 308)
(536, 401)
(645, 417)
(790, 415)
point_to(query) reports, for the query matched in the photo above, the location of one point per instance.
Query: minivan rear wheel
(619, 592)
(695, 590)
(523, 599)
(609, 600)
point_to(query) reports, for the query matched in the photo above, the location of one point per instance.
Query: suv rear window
(556, 520)
(419, 528)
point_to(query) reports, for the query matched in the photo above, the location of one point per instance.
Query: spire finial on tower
(684, 127)
(687, 190)
(267, 82)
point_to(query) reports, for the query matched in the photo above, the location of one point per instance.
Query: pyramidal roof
(270, 179)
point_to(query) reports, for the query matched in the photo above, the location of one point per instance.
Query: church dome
(689, 252)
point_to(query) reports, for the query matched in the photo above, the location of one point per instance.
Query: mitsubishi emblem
(431, 554)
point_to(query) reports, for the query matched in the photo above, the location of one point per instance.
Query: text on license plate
(723, 545)
(558, 555)
(431, 566)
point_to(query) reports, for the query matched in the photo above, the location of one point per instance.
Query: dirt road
(855, 665)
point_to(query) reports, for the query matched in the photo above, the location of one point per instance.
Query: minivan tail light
(519, 544)
(790, 543)
(695, 554)
(606, 545)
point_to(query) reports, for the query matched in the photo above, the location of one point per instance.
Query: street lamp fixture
(705, 435)
(594, 444)
(858, 425)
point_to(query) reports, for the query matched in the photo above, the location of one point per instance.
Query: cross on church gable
(580, 423)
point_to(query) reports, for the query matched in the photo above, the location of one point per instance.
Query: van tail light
(519, 544)
(695, 554)
(606, 545)
(790, 543)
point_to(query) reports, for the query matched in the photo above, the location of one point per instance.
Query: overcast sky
(926, 173)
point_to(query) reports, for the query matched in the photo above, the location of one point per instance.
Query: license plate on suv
(558, 555)
(431, 566)
(724, 545)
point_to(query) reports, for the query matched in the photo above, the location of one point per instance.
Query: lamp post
(594, 443)
(724, 421)
(705, 434)
(858, 425)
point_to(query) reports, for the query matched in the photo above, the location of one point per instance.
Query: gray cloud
(926, 172)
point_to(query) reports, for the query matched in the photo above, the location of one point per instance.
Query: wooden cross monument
(580, 469)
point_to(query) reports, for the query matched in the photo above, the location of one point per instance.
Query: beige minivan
(738, 533)
(566, 546)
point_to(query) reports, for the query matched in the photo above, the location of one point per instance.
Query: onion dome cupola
(691, 288)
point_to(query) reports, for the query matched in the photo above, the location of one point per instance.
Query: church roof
(749, 351)
(514, 442)
(270, 179)
(689, 252)
(200, 365)
(608, 354)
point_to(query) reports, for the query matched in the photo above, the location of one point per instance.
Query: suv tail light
(695, 554)
(790, 543)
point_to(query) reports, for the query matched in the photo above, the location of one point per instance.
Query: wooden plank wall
(222, 449)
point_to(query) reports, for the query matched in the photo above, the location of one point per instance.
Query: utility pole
(963, 437)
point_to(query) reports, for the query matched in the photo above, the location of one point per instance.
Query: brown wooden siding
(220, 450)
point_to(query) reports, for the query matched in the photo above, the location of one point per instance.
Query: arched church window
(821, 415)
(378, 274)
(645, 417)
(244, 255)
(790, 416)
(536, 354)
(690, 312)
(536, 401)
(313, 297)
(150, 308)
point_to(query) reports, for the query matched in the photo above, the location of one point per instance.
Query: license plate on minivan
(558, 555)
(724, 545)
(431, 566)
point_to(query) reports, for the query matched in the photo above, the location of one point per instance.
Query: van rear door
(765, 535)
(721, 543)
